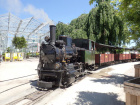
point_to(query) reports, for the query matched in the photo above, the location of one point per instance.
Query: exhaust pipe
(52, 34)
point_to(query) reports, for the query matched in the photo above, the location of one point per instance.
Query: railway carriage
(86, 52)
(101, 59)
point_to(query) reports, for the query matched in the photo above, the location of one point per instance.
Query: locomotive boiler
(59, 63)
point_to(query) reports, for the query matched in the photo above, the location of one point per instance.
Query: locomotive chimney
(52, 34)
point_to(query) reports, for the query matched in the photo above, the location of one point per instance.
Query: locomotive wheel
(65, 84)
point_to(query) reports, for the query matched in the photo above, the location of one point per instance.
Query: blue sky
(45, 10)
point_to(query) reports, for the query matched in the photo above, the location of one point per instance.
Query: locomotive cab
(66, 39)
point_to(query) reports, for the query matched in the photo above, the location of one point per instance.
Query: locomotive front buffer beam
(44, 84)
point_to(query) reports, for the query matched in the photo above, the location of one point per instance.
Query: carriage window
(69, 41)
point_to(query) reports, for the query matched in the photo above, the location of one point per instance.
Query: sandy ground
(16, 79)
(103, 87)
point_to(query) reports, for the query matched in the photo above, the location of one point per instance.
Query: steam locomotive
(62, 61)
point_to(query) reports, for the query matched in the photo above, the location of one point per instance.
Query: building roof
(16, 26)
(31, 28)
(99, 45)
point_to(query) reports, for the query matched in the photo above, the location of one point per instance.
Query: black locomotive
(61, 62)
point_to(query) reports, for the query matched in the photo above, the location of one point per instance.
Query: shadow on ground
(113, 79)
(33, 83)
(94, 98)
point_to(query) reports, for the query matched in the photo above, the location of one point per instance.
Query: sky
(46, 10)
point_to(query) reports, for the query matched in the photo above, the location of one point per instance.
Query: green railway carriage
(86, 50)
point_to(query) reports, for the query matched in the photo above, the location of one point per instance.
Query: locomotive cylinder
(52, 34)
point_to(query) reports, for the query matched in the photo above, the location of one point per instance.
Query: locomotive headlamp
(63, 61)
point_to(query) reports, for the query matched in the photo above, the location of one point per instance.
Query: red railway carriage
(106, 58)
(103, 58)
(112, 57)
(137, 56)
(116, 57)
(99, 59)
(133, 56)
(127, 56)
(109, 57)
(121, 57)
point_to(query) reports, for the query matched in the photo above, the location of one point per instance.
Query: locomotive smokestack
(52, 34)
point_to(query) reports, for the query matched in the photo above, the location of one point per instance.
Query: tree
(98, 1)
(105, 26)
(8, 50)
(76, 28)
(63, 29)
(78, 33)
(129, 10)
(102, 24)
(19, 42)
(79, 23)
(79, 27)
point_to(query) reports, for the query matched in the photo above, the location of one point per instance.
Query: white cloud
(38, 13)
(17, 7)
(14, 6)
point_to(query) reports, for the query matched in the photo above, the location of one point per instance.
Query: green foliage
(105, 26)
(129, 10)
(8, 50)
(28, 54)
(102, 24)
(120, 51)
(79, 23)
(98, 1)
(19, 42)
(76, 29)
(63, 29)
(78, 33)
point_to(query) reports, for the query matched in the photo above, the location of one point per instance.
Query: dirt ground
(16, 79)
(103, 87)
(102, 73)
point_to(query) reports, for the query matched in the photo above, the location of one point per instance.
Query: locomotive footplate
(44, 84)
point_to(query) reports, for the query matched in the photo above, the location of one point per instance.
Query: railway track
(31, 98)
(38, 95)
(20, 82)
(14, 87)
(18, 78)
